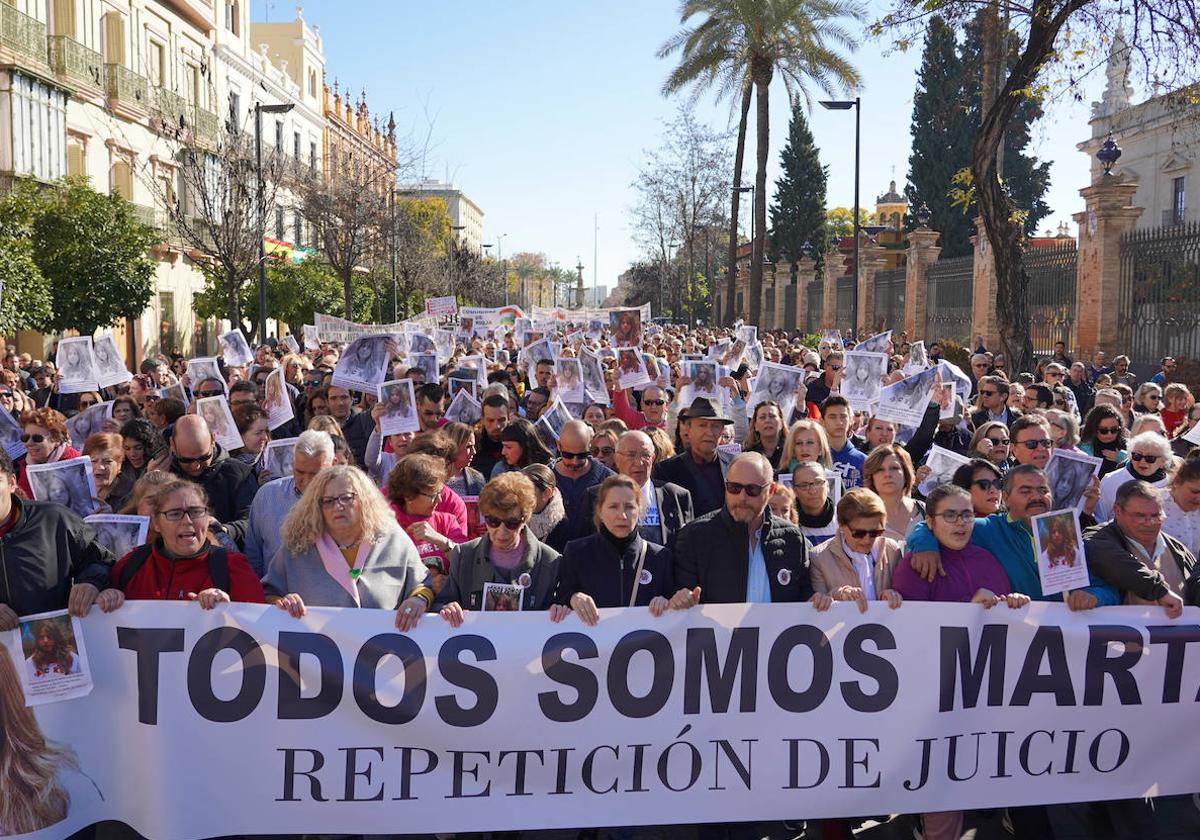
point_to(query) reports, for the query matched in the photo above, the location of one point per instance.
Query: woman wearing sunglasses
(46, 442)
(182, 564)
(983, 480)
(992, 443)
(508, 553)
(972, 575)
(1150, 460)
(1104, 436)
(414, 487)
(857, 563)
(342, 547)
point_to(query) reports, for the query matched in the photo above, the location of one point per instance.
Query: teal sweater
(1012, 543)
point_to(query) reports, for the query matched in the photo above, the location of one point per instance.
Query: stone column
(872, 261)
(829, 302)
(923, 252)
(783, 279)
(984, 288)
(806, 272)
(768, 285)
(1109, 215)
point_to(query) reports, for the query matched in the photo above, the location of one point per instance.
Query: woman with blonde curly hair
(40, 782)
(342, 547)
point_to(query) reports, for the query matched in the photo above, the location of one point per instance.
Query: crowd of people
(649, 496)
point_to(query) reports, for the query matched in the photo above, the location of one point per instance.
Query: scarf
(543, 522)
(335, 564)
(820, 520)
(1154, 478)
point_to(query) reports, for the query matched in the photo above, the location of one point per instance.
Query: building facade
(465, 215)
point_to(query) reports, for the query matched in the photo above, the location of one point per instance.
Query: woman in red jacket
(182, 565)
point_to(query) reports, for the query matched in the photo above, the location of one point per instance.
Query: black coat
(978, 418)
(591, 565)
(46, 551)
(674, 511)
(230, 485)
(682, 471)
(357, 428)
(1110, 557)
(713, 553)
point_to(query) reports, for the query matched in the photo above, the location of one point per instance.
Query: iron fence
(816, 304)
(950, 290)
(845, 303)
(1053, 273)
(1159, 302)
(889, 299)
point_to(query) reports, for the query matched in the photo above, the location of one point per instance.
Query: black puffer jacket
(46, 551)
(230, 486)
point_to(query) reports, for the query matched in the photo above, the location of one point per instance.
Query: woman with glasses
(508, 553)
(983, 480)
(766, 433)
(520, 446)
(46, 442)
(1147, 399)
(1104, 436)
(604, 447)
(992, 443)
(414, 487)
(888, 471)
(1150, 460)
(113, 485)
(342, 547)
(181, 564)
(815, 511)
(972, 575)
(857, 563)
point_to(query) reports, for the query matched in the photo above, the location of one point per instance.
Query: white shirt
(1183, 526)
(1109, 485)
(864, 567)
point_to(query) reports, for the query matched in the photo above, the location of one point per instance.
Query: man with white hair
(312, 453)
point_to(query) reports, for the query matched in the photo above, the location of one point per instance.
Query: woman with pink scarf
(44, 433)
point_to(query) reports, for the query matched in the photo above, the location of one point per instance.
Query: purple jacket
(967, 572)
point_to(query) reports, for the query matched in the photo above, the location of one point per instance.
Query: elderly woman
(1150, 460)
(342, 547)
(508, 553)
(889, 472)
(806, 441)
(46, 442)
(614, 567)
(857, 563)
(113, 486)
(1147, 399)
(972, 575)
(983, 481)
(814, 509)
(182, 564)
(463, 479)
(414, 487)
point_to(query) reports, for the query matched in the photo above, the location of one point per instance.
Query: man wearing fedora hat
(700, 468)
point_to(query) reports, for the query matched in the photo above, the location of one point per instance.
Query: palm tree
(740, 46)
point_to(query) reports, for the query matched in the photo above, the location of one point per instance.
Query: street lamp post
(846, 105)
(259, 110)
(454, 230)
(503, 265)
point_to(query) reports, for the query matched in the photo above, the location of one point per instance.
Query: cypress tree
(942, 133)
(798, 209)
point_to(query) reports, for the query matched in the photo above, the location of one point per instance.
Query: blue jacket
(1012, 543)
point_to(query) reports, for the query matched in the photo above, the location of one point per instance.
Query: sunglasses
(734, 488)
(1138, 457)
(6, 393)
(988, 393)
(999, 441)
(985, 484)
(573, 456)
(1154, 397)
(1034, 444)
(510, 524)
(205, 394)
(654, 402)
(33, 438)
(863, 533)
(602, 450)
(197, 460)
(88, 403)
(1107, 430)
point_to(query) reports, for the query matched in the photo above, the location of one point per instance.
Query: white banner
(243, 720)
(440, 306)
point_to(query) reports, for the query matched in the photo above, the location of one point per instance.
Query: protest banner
(337, 724)
(439, 307)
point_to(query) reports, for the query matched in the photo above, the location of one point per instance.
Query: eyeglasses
(863, 533)
(1031, 445)
(637, 456)
(734, 488)
(953, 517)
(210, 393)
(314, 383)
(176, 514)
(597, 451)
(33, 438)
(573, 456)
(1107, 430)
(150, 398)
(1138, 457)
(345, 500)
(986, 485)
(510, 524)
(199, 459)
(809, 485)
(654, 402)
(88, 403)
(1146, 518)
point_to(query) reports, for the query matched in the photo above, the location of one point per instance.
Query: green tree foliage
(94, 253)
(798, 211)
(295, 292)
(942, 131)
(25, 302)
(839, 223)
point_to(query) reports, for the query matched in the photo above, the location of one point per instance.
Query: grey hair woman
(342, 547)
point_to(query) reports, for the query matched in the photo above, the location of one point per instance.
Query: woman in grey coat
(508, 554)
(342, 547)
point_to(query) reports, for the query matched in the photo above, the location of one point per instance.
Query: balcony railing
(22, 33)
(207, 125)
(171, 108)
(123, 85)
(72, 59)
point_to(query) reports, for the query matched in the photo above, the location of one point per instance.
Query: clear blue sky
(540, 111)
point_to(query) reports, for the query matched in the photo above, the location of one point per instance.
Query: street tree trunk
(1004, 232)
(761, 71)
(738, 162)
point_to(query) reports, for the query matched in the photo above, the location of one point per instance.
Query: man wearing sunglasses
(1031, 442)
(993, 394)
(1009, 536)
(741, 553)
(831, 377)
(654, 408)
(700, 468)
(230, 484)
(576, 471)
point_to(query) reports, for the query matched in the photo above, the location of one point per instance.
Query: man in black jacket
(229, 484)
(668, 506)
(993, 393)
(741, 553)
(49, 558)
(356, 425)
(699, 469)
